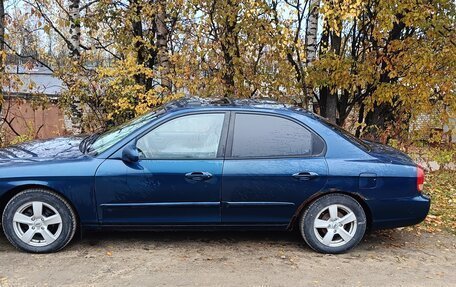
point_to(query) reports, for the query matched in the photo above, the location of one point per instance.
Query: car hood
(56, 148)
(388, 154)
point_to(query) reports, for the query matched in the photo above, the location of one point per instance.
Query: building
(23, 112)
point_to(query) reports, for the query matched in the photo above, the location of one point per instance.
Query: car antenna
(228, 100)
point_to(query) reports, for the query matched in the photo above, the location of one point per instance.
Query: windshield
(107, 139)
(347, 135)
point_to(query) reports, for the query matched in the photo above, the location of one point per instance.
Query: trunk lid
(388, 154)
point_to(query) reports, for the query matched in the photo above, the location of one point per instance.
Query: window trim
(229, 147)
(222, 142)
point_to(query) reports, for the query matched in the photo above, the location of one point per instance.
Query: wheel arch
(301, 208)
(7, 196)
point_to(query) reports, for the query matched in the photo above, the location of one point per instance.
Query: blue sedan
(210, 164)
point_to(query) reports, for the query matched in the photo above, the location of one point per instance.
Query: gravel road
(387, 258)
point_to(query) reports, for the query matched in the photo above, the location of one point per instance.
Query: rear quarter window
(345, 134)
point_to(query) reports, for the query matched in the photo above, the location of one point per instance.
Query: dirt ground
(387, 258)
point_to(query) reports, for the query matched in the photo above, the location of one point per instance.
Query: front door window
(188, 137)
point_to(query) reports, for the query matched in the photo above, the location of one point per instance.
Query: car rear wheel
(334, 223)
(38, 221)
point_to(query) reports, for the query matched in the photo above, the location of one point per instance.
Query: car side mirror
(130, 154)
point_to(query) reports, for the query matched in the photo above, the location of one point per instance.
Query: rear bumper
(398, 212)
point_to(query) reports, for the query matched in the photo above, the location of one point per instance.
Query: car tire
(39, 221)
(334, 223)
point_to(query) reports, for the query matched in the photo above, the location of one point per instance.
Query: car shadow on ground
(291, 239)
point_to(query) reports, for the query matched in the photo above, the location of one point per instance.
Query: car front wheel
(38, 221)
(334, 223)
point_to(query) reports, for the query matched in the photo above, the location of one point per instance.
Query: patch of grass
(441, 186)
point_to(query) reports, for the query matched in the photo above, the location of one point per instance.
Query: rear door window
(257, 135)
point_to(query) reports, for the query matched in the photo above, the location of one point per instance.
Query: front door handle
(198, 175)
(306, 175)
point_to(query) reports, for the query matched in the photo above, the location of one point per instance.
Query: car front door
(272, 165)
(177, 179)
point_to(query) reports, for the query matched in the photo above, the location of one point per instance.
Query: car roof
(232, 104)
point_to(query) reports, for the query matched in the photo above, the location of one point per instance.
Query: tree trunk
(383, 114)
(324, 91)
(343, 109)
(142, 53)
(329, 100)
(360, 120)
(162, 46)
(228, 75)
(331, 107)
(2, 30)
(76, 110)
(311, 45)
(2, 47)
(229, 46)
(75, 28)
(333, 98)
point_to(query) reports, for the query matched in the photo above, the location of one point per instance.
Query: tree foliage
(374, 65)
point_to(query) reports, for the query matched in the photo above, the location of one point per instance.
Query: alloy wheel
(335, 225)
(37, 223)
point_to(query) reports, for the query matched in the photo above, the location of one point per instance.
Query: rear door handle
(198, 175)
(306, 175)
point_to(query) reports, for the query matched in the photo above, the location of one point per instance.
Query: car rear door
(273, 163)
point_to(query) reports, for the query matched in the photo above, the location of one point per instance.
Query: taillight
(419, 178)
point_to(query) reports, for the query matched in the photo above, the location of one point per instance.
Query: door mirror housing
(130, 154)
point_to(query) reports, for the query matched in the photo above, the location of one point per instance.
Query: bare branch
(88, 5)
(26, 56)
